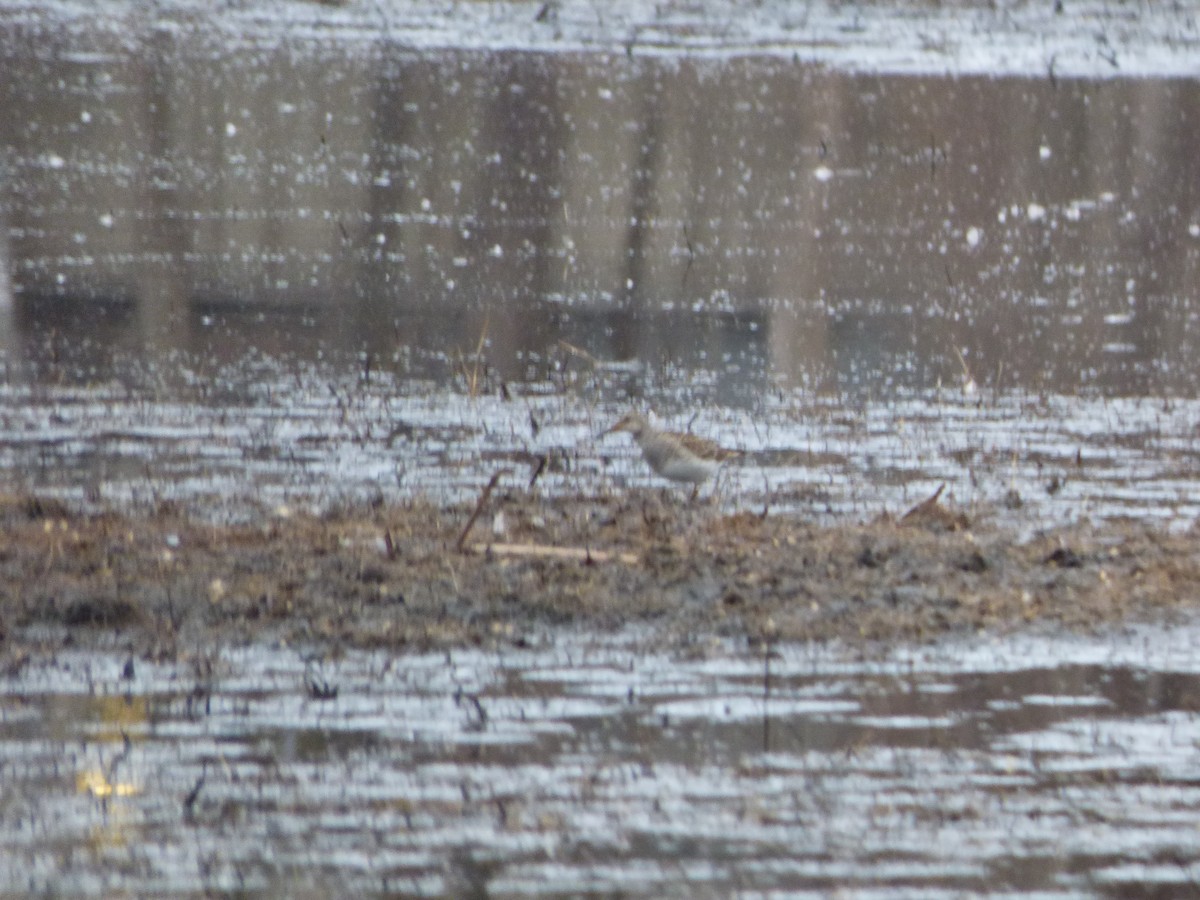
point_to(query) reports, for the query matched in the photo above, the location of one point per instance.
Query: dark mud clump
(411, 576)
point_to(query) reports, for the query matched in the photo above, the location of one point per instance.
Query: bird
(677, 457)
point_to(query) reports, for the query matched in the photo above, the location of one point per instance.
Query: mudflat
(421, 575)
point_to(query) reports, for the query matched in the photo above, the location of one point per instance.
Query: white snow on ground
(1088, 38)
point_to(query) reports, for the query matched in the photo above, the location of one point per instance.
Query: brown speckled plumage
(677, 457)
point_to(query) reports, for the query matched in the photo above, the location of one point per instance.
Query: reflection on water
(862, 230)
(312, 270)
(1064, 767)
(256, 271)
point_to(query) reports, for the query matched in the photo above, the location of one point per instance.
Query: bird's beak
(621, 425)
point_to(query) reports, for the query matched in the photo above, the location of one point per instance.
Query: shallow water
(274, 272)
(249, 263)
(1052, 768)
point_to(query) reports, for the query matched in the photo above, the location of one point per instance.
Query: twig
(925, 505)
(189, 801)
(483, 499)
(471, 376)
(968, 379)
(766, 723)
(537, 472)
(584, 554)
(578, 351)
(691, 256)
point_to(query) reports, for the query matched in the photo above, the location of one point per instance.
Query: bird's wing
(705, 448)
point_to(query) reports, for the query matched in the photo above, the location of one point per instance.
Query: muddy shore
(413, 576)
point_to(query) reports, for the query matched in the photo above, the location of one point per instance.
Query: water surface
(232, 270)
(584, 768)
(266, 260)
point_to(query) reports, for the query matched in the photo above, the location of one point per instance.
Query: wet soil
(420, 575)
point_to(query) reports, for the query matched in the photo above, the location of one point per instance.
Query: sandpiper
(675, 456)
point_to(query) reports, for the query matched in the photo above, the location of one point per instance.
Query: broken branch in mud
(483, 499)
(931, 514)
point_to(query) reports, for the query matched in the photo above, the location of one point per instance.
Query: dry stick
(579, 351)
(925, 505)
(483, 499)
(471, 376)
(479, 346)
(541, 467)
(766, 724)
(583, 554)
(691, 257)
(968, 378)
